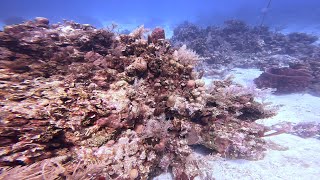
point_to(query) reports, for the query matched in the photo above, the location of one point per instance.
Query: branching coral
(139, 32)
(186, 56)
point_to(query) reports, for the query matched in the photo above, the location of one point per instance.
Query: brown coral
(285, 80)
(157, 34)
(115, 106)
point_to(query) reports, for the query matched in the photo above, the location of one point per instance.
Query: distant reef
(236, 44)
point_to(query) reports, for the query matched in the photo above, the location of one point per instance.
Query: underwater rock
(285, 80)
(42, 20)
(92, 104)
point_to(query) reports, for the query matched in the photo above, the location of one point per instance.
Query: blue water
(168, 13)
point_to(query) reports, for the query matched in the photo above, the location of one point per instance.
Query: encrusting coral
(82, 103)
(285, 80)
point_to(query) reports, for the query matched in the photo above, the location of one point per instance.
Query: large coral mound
(82, 103)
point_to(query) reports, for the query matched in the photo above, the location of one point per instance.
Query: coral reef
(285, 80)
(237, 44)
(314, 67)
(157, 33)
(82, 103)
(298, 77)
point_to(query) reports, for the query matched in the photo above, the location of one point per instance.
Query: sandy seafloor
(299, 158)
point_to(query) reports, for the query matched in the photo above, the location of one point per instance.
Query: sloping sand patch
(301, 160)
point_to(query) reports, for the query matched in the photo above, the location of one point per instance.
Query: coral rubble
(82, 103)
(302, 129)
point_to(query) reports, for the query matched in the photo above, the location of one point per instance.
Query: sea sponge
(157, 33)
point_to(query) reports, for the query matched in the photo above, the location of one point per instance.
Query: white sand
(300, 161)
(301, 158)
